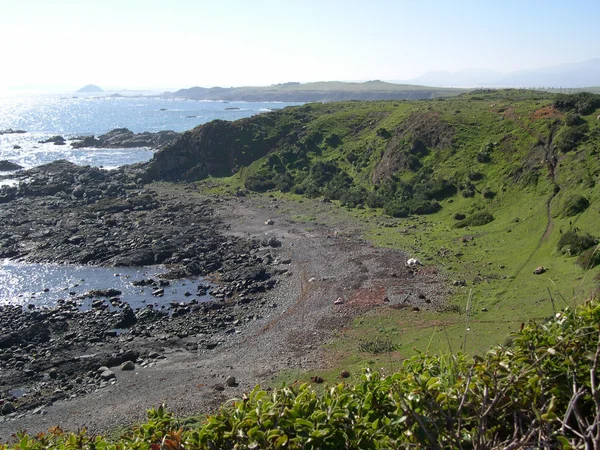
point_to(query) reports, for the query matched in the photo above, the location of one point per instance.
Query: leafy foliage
(574, 204)
(477, 219)
(583, 102)
(574, 243)
(589, 258)
(540, 391)
(568, 138)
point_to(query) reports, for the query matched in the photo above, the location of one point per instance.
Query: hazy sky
(183, 43)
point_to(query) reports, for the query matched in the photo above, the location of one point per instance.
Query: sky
(154, 44)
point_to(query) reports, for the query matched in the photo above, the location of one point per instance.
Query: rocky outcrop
(217, 148)
(418, 135)
(11, 131)
(124, 138)
(6, 166)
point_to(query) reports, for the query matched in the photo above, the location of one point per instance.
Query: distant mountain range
(573, 75)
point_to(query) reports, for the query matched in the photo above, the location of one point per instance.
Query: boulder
(108, 375)
(56, 140)
(539, 270)
(128, 365)
(230, 381)
(8, 408)
(6, 166)
(413, 262)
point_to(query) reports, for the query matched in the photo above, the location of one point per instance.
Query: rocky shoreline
(64, 213)
(124, 138)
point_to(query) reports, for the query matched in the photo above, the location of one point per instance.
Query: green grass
(514, 130)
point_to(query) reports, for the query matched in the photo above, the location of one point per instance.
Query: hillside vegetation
(540, 391)
(488, 186)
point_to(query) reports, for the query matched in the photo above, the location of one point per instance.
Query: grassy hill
(487, 187)
(326, 91)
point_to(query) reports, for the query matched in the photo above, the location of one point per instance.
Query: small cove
(47, 285)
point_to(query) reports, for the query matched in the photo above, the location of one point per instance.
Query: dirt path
(326, 263)
(551, 162)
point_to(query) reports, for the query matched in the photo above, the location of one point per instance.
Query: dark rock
(57, 140)
(107, 375)
(8, 408)
(230, 381)
(6, 166)
(127, 318)
(128, 365)
(11, 131)
(539, 270)
(124, 138)
(104, 293)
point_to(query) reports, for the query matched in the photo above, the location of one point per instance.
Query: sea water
(74, 115)
(44, 285)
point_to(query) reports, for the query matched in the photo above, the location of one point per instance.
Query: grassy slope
(498, 263)
(324, 90)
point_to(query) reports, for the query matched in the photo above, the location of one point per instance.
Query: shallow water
(25, 284)
(71, 116)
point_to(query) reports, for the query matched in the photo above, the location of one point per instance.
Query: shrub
(354, 197)
(589, 258)
(396, 209)
(517, 397)
(572, 119)
(475, 220)
(283, 181)
(575, 243)
(437, 189)
(475, 176)
(322, 172)
(383, 133)
(422, 206)
(583, 102)
(574, 204)
(377, 346)
(567, 138)
(260, 182)
(485, 155)
(488, 193)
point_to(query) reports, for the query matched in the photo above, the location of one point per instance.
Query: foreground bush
(541, 392)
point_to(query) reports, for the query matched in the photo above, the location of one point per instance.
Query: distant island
(90, 88)
(316, 92)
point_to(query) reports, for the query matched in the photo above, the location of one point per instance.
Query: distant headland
(90, 88)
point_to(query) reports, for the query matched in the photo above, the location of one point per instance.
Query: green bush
(488, 193)
(567, 138)
(574, 204)
(422, 206)
(353, 197)
(485, 154)
(260, 182)
(572, 119)
(574, 243)
(396, 209)
(475, 220)
(582, 103)
(323, 171)
(541, 392)
(589, 258)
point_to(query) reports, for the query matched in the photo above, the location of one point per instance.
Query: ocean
(75, 115)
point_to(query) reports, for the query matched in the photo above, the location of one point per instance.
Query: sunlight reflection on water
(44, 284)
